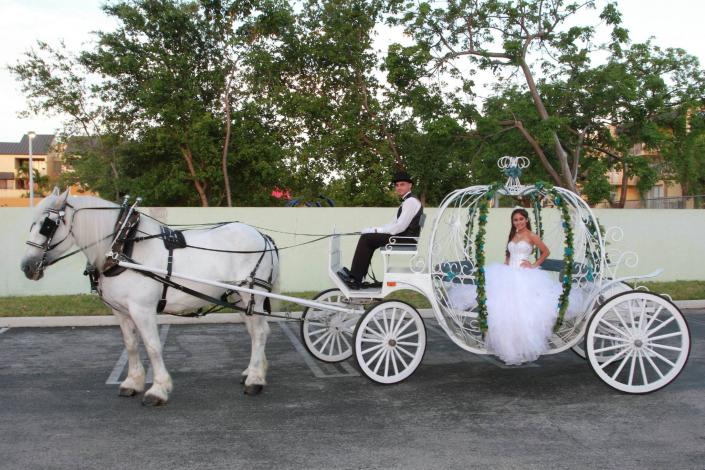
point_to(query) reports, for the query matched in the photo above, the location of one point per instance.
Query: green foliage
(309, 105)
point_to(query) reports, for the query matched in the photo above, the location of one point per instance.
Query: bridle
(48, 230)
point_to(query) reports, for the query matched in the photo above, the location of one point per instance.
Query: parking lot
(59, 408)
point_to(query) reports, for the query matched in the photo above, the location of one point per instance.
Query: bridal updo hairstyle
(513, 230)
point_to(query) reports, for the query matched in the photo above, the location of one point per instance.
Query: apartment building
(14, 167)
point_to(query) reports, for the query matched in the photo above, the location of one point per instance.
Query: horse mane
(93, 225)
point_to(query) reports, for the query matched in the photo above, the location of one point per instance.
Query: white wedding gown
(522, 306)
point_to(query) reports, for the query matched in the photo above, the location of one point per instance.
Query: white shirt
(409, 208)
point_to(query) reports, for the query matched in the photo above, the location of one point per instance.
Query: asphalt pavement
(59, 408)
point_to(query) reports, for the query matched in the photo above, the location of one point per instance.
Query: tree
(177, 71)
(510, 37)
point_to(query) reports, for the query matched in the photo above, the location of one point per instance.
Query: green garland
(568, 255)
(568, 259)
(480, 256)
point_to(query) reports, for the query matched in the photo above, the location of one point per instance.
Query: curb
(216, 318)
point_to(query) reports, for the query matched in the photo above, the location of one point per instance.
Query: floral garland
(568, 252)
(480, 256)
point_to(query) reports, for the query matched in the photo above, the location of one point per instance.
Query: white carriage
(635, 341)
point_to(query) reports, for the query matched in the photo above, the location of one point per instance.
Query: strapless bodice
(518, 252)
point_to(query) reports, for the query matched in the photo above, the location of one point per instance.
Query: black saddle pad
(173, 239)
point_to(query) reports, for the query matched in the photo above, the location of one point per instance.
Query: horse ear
(65, 195)
(55, 192)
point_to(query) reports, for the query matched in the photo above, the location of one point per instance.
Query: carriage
(635, 341)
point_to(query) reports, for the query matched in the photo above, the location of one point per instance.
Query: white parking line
(114, 378)
(485, 357)
(317, 367)
(2, 330)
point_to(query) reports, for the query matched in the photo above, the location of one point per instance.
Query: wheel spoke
(369, 330)
(382, 331)
(399, 323)
(653, 364)
(396, 353)
(374, 356)
(329, 337)
(611, 338)
(386, 363)
(371, 348)
(406, 325)
(651, 332)
(333, 337)
(632, 356)
(624, 324)
(407, 343)
(315, 323)
(630, 307)
(366, 339)
(611, 348)
(320, 338)
(405, 351)
(664, 359)
(621, 365)
(380, 359)
(614, 327)
(413, 333)
(345, 340)
(392, 358)
(614, 358)
(669, 335)
(641, 367)
(663, 346)
(656, 313)
(314, 333)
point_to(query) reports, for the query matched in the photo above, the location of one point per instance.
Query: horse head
(49, 235)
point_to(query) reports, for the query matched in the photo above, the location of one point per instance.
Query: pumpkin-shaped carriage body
(635, 341)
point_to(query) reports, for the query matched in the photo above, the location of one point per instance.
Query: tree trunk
(200, 188)
(625, 181)
(566, 175)
(226, 144)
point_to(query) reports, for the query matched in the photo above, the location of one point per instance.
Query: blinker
(48, 227)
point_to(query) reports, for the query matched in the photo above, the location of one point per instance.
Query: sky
(676, 23)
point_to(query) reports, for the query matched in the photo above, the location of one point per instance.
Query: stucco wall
(669, 239)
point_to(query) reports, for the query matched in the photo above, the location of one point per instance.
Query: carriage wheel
(390, 342)
(613, 290)
(638, 342)
(326, 334)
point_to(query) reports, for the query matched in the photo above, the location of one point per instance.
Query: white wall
(669, 239)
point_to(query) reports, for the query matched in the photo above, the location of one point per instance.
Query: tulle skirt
(522, 307)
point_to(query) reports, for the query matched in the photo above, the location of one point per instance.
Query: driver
(406, 223)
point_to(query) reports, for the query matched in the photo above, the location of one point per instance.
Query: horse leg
(146, 322)
(256, 371)
(134, 383)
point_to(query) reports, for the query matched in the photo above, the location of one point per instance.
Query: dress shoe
(353, 283)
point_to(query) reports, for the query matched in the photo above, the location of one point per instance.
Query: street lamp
(31, 135)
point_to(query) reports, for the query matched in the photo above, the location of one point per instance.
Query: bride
(522, 300)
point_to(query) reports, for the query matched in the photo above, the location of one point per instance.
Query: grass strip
(85, 304)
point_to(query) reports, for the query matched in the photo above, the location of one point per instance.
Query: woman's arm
(545, 252)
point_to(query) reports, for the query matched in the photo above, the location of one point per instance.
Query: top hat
(401, 176)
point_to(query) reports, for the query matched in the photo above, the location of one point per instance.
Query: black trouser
(366, 247)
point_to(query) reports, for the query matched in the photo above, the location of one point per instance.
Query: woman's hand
(526, 264)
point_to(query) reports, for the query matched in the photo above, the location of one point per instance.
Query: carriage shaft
(224, 285)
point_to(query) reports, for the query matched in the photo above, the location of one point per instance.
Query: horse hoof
(242, 379)
(127, 392)
(254, 389)
(151, 400)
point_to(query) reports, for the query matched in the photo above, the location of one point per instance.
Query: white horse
(61, 221)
